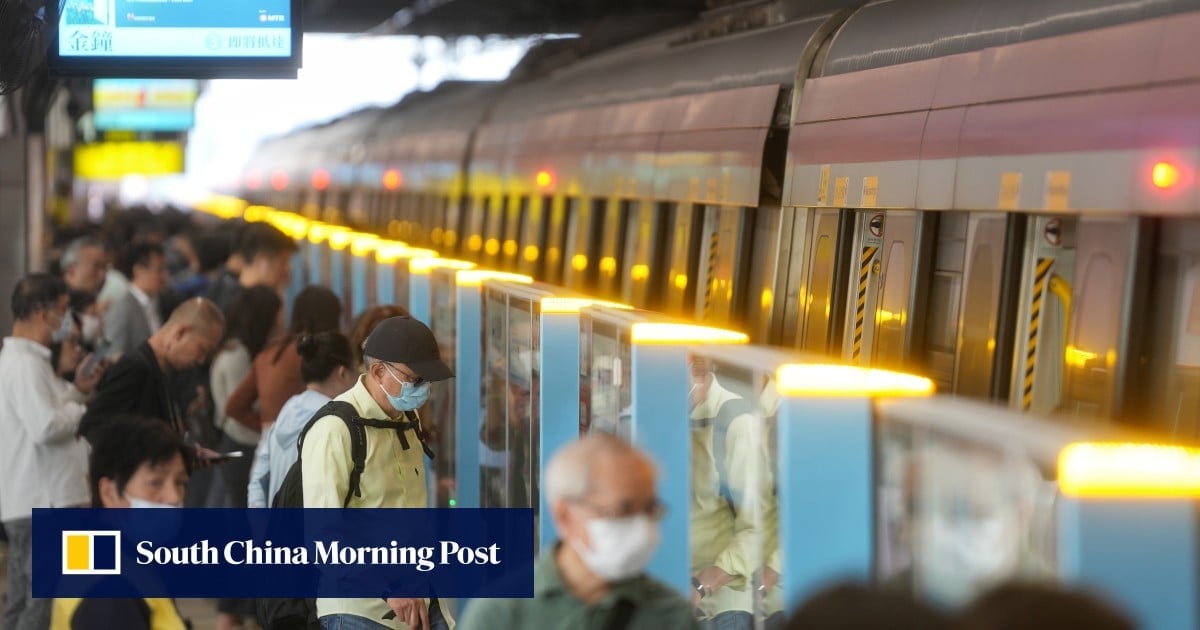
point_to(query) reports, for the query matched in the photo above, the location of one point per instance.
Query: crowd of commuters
(154, 369)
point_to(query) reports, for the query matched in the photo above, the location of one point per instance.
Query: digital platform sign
(178, 38)
(144, 104)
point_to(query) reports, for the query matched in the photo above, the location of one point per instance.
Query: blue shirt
(277, 449)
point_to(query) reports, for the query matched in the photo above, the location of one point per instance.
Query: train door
(724, 253)
(555, 237)
(1174, 386)
(472, 242)
(514, 217)
(790, 267)
(583, 226)
(683, 261)
(1110, 255)
(642, 238)
(904, 259)
(823, 292)
(612, 247)
(1045, 304)
(533, 236)
(988, 267)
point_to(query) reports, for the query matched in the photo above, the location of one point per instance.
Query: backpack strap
(358, 441)
(412, 422)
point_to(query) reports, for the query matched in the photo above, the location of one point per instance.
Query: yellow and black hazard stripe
(711, 285)
(860, 308)
(1040, 276)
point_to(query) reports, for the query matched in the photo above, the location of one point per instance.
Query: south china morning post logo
(331, 553)
(207, 553)
(91, 552)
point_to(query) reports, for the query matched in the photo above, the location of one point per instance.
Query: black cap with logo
(408, 341)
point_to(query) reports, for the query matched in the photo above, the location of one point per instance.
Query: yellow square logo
(91, 552)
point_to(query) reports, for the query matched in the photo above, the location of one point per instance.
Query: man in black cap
(401, 359)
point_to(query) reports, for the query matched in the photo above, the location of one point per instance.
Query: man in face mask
(601, 493)
(401, 361)
(41, 463)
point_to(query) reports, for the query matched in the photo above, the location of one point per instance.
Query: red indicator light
(279, 180)
(1165, 175)
(254, 180)
(392, 179)
(320, 179)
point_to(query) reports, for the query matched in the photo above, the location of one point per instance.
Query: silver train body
(999, 195)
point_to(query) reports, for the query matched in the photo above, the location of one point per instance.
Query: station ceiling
(512, 18)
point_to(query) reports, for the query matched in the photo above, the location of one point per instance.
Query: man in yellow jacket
(401, 360)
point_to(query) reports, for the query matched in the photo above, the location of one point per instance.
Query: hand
(770, 578)
(69, 356)
(411, 610)
(199, 405)
(86, 381)
(713, 579)
(205, 457)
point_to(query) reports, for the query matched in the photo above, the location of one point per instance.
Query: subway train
(1001, 196)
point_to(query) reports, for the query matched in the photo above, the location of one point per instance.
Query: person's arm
(326, 463)
(260, 472)
(747, 463)
(240, 405)
(41, 405)
(228, 369)
(118, 392)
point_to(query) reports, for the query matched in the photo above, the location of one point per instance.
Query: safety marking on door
(1040, 276)
(710, 279)
(860, 307)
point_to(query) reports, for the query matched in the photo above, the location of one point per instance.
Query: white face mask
(89, 328)
(135, 502)
(620, 547)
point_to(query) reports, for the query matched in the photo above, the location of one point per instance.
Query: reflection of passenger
(507, 449)
(768, 590)
(731, 495)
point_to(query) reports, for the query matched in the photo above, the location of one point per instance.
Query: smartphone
(97, 356)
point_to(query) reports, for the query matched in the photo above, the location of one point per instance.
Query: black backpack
(299, 613)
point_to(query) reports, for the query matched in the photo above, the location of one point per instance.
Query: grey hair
(568, 474)
(74, 250)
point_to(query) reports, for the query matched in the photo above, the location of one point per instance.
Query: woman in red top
(275, 376)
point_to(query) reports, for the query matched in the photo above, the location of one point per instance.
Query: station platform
(792, 469)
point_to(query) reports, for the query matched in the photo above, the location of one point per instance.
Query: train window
(760, 293)
(639, 246)
(472, 242)
(941, 327)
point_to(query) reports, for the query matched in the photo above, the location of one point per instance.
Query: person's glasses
(655, 510)
(411, 379)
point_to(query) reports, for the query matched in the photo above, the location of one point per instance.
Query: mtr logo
(91, 552)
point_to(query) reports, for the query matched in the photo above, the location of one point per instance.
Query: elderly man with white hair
(601, 495)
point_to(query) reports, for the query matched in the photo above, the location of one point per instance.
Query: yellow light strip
(476, 277)
(422, 266)
(318, 232)
(573, 305)
(1124, 470)
(803, 379)
(362, 244)
(656, 333)
(339, 238)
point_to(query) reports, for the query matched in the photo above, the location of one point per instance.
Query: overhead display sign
(114, 160)
(144, 104)
(207, 38)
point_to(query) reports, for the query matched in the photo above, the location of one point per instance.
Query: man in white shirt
(42, 464)
(135, 316)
